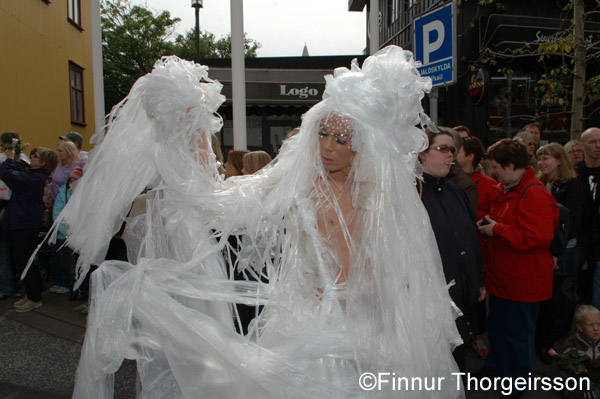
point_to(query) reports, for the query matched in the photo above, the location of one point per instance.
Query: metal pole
(197, 33)
(373, 26)
(507, 113)
(99, 112)
(433, 105)
(238, 77)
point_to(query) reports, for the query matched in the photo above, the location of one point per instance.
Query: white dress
(170, 307)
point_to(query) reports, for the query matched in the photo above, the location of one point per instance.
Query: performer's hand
(555, 263)
(486, 226)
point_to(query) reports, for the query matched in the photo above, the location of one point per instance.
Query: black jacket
(464, 181)
(25, 208)
(590, 178)
(456, 235)
(571, 195)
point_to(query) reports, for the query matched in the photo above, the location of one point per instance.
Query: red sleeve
(485, 187)
(537, 216)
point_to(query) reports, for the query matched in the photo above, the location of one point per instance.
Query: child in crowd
(63, 258)
(586, 343)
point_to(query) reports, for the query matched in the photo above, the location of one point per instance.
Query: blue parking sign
(435, 44)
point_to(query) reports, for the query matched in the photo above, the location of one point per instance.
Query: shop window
(74, 12)
(515, 103)
(76, 90)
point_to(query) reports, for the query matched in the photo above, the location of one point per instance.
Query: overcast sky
(280, 26)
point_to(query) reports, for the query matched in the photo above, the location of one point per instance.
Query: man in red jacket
(520, 226)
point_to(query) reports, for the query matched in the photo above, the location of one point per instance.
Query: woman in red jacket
(520, 227)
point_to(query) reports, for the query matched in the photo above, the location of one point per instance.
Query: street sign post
(435, 44)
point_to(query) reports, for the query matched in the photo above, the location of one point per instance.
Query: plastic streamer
(170, 306)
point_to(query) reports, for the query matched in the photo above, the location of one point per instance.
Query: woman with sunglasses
(520, 227)
(453, 224)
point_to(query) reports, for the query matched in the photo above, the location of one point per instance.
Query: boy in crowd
(586, 343)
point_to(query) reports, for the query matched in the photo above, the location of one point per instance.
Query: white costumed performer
(340, 247)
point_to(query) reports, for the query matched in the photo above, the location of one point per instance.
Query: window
(393, 11)
(74, 12)
(76, 84)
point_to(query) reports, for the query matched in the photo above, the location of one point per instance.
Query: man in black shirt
(588, 171)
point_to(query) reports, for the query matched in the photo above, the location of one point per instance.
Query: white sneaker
(57, 289)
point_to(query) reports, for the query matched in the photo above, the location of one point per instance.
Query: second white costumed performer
(334, 225)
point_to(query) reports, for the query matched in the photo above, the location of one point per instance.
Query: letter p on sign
(434, 29)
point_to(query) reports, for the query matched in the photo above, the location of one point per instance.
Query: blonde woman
(67, 158)
(255, 161)
(556, 315)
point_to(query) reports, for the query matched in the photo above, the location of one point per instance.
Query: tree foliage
(211, 47)
(133, 38)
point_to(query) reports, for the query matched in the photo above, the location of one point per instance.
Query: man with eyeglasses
(588, 171)
(574, 149)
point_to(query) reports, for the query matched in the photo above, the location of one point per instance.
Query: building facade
(51, 74)
(510, 94)
(278, 91)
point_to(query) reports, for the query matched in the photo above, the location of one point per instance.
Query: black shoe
(74, 296)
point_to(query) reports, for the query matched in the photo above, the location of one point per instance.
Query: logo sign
(478, 86)
(300, 92)
(435, 44)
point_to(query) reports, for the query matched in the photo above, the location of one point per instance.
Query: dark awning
(356, 5)
(503, 33)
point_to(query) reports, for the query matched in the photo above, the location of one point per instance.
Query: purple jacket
(59, 178)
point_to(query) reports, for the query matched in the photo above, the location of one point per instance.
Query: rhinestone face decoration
(337, 123)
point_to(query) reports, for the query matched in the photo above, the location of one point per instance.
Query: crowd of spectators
(37, 188)
(528, 192)
(494, 214)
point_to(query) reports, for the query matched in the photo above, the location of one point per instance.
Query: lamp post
(197, 5)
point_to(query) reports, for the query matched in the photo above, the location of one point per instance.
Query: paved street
(39, 352)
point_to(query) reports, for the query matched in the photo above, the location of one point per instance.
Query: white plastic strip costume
(170, 308)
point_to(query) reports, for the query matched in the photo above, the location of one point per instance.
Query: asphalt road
(37, 365)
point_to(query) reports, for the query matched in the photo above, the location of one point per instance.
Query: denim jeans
(63, 261)
(588, 285)
(511, 332)
(565, 279)
(7, 272)
(22, 244)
